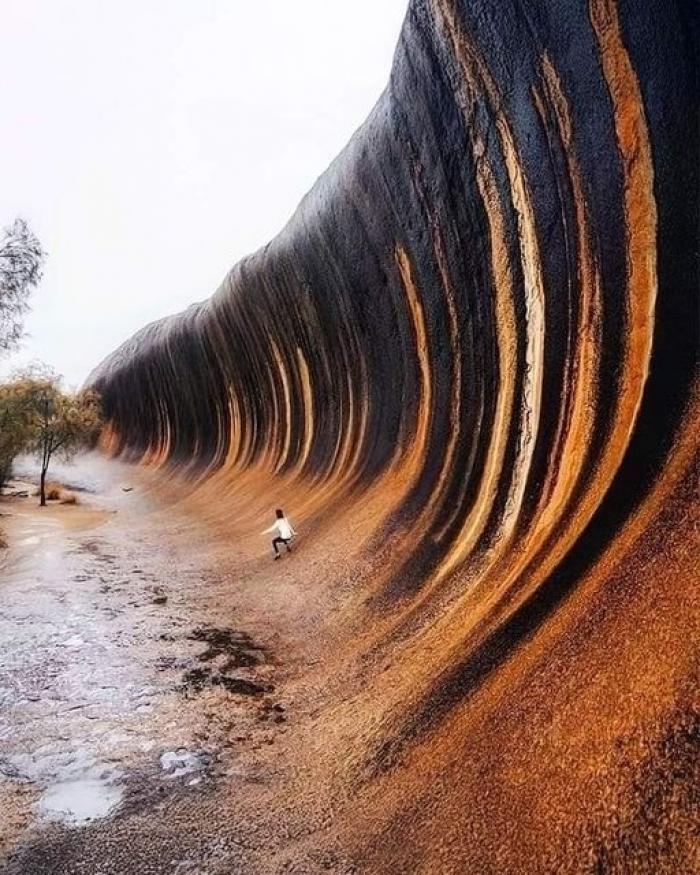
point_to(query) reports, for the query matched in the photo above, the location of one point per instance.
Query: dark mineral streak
(488, 303)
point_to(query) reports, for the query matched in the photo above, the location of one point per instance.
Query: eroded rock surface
(466, 368)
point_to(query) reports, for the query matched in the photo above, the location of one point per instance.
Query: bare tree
(21, 261)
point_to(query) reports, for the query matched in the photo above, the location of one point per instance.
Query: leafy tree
(47, 421)
(15, 432)
(21, 261)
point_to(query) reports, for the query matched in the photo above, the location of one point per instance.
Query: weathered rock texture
(469, 357)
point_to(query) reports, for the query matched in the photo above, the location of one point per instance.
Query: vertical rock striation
(488, 306)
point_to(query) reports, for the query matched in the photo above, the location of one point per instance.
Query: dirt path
(142, 709)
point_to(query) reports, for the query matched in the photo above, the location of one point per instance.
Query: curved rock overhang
(485, 312)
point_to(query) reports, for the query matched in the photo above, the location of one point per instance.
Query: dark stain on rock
(241, 650)
(196, 679)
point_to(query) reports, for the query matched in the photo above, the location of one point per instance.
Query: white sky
(152, 143)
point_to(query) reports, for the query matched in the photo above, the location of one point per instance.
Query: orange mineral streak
(342, 475)
(269, 456)
(286, 425)
(640, 221)
(245, 425)
(456, 380)
(308, 401)
(447, 467)
(406, 469)
(641, 294)
(109, 441)
(235, 432)
(499, 586)
(158, 453)
(579, 401)
(576, 711)
(502, 597)
(473, 690)
(410, 465)
(357, 431)
(472, 528)
(473, 525)
(479, 85)
(404, 472)
(344, 438)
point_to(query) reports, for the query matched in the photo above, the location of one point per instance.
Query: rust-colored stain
(467, 368)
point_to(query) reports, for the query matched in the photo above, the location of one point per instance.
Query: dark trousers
(277, 541)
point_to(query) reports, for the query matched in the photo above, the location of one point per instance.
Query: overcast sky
(152, 143)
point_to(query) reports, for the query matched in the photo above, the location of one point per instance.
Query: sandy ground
(173, 701)
(142, 698)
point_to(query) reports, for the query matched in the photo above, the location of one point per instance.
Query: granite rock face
(488, 303)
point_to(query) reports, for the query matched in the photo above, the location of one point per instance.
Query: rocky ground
(174, 701)
(141, 710)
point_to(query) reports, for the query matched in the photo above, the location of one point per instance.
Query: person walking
(285, 532)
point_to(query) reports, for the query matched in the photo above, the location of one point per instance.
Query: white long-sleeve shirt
(283, 528)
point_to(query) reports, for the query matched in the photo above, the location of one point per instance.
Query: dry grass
(56, 492)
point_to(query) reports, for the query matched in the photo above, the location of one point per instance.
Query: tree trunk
(42, 488)
(5, 469)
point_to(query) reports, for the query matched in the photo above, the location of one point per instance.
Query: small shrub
(56, 492)
(53, 491)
